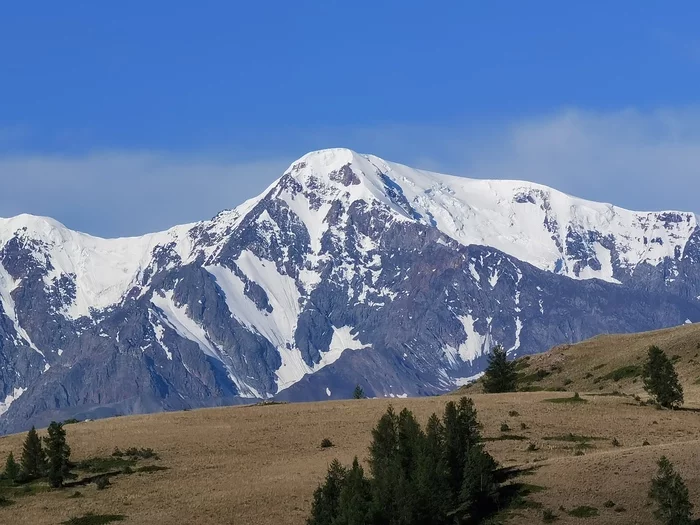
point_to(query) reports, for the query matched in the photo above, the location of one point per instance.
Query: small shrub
(71, 421)
(616, 443)
(513, 413)
(151, 468)
(567, 381)
(523, 426)
(5, 502)
(620, 508)
(573, 438)
(127, 470)
(583, 511)
(102, 483)
(76, 494)
(141, 453)
(326, 443)
(548, 516)
(646, 443)
(624, 372)
(531, 447)
(574, 400)
(609, 504)
(94, 519)
(505, 427)
(506, 437)
(588, 375)
(579, 451)
(598, 367)
(117, 453)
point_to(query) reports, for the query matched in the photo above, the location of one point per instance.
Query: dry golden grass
(260, 465)
(582, 367)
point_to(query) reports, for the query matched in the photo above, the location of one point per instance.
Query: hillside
(259, 465)
(611, 363)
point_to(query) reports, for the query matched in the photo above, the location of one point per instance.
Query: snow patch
(11, 398)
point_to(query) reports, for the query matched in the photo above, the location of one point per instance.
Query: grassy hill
(260, 464)
(610, 363)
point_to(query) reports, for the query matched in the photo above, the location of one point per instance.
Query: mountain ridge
(348, 269)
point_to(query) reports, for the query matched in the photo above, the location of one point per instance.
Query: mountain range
(347, 270)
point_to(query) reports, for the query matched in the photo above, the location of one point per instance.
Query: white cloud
(128, 193)
(639, 160)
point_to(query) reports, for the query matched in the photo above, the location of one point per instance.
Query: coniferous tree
(11, 468)
(500, 375)
(58, 453)
(33, 460)
(671, 496)
(384, 465)
(355, 500)
(479, 488)
(358, 393)
(432, 483)
(661, 379)
(326, 504)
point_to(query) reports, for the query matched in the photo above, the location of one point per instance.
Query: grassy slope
(260, 465)
(590, 365)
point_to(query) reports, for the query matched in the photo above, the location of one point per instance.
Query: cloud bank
(635, 159)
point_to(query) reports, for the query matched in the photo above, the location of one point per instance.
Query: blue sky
(121, 118)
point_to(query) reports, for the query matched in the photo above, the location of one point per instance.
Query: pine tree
(500, 375)
(326, 504)
(671, 496)
(431, 477)
(479, 488)
(58, 452)
(661, 379)
(385, 466)
(11, 468)
(358, 393)
(33, 460)
(355, 500)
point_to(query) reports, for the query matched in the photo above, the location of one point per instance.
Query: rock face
(347, 270)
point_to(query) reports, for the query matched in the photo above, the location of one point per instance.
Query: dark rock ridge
(348, 270)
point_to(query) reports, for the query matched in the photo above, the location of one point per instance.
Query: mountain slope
(347, 269)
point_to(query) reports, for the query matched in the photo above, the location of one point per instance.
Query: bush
(523, 426)
(326, 443)
(102, 482)
(609, 504)
(624, 372)
(616, 443)
(583, 511)
(95, 519)
(562, 400)
(505, 427)
(646, 443)
(548, 516)
(531, 447)
(513, 413)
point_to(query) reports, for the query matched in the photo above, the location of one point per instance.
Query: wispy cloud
(639, 160)
(128, 193)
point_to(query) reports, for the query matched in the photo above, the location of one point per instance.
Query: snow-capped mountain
(348, 269)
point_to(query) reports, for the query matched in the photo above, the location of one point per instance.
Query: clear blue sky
(198, 105)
